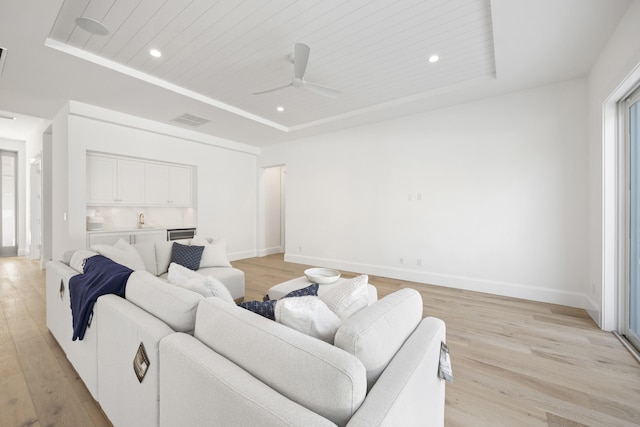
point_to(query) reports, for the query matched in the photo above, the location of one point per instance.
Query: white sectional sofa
(211, 362)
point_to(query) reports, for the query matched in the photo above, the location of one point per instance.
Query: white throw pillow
(308, 315)
(347, 298)
(178, 274)
(122, 253)
(214, 254)
(207, 286)
(78, 257)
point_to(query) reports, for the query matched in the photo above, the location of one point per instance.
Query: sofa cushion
(348, 298)
(215, 253)
(163, 254)
(321, 377)
(175, 306)
(207, 286)
(263, 308)
(267, 308)
(122, 253)
(309, 315)
(187, 256)
(232, 278)
(78, 257)
(147, 252)
(375, 334)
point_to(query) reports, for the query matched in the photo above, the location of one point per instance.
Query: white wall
(489, 196)
(614, 74)
(33, 151)
(226, 172)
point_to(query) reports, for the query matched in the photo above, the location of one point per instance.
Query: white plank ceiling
(374, 51)
(217, 53)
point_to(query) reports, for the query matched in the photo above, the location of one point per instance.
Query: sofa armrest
(220, 392)
(122, 327)
(409, 391)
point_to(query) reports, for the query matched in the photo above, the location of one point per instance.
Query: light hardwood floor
(516, 363)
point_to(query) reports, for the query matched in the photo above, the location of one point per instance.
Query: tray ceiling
(220, 52)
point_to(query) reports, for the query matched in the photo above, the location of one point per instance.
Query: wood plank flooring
(516, 362)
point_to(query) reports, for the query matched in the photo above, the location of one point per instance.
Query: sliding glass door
(632, 297)
(8, 203)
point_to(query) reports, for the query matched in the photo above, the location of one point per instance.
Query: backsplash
(126, 217)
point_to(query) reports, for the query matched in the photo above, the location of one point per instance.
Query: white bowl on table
(322, 276)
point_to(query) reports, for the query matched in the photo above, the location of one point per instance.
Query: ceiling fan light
(92, 25)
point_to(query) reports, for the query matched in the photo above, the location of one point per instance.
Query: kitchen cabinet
(168, 185)
(111, 237)
(119, 181)
(114, 181)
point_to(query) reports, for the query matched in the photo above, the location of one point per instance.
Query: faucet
(140, 220)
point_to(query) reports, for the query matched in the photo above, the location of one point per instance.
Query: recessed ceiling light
(92, 25)
(280, 109)
(434, 58)
(155, 53)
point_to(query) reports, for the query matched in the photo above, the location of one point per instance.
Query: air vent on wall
(191, 120)
(3, 55)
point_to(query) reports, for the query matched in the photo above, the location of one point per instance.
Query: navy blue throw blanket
(101, 276)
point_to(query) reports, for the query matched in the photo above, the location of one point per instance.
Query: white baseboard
(233, 256)
(269, 251)
(515, 290)
(593, 310)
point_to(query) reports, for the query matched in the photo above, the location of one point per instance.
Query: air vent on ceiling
(3, 55)
(191, 120)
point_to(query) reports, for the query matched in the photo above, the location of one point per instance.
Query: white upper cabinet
(168, 185)
(102, 180)
(131, 183)
(157, 191)
(180, 186)
(112, 180)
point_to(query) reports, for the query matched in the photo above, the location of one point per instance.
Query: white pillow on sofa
(348, 298)
(77, 259)
(309, 315)
(122, 253)
(214, 254)
(207, 286)
(375, 334)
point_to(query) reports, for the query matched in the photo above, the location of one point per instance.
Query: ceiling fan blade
(300, 58)
(273, 89)
(322, 90)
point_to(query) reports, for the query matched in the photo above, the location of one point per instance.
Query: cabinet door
(180, 186)
(150, 236)
(131, 182)
(102, 180)
(107, 238)
(157, 191)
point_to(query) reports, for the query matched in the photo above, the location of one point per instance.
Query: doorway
(9, 203)
(273, 186)
(631, 295)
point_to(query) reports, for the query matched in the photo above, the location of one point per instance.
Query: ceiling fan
(300, 60)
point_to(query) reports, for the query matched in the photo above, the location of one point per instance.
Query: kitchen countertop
(136, 229)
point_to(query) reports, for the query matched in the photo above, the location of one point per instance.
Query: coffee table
(281, 289)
